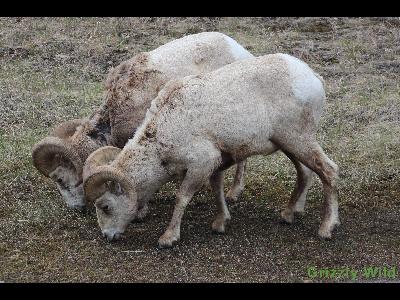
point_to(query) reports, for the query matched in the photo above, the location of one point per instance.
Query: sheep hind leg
(238, 182)
(309, 152)
(299, 195)
(217, 185)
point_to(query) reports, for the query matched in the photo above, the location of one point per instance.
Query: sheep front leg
(217, 185)
(172, 234)
(196, 176)
(238, 182)
(189, 186)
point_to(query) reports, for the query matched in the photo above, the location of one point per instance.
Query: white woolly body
(237, 110)
(191, 55)
(238, 51)
(196, 53)
(304, 86)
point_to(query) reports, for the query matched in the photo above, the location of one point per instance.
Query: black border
(288, 8)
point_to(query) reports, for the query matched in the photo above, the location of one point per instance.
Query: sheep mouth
(113, 237)
(79, 207)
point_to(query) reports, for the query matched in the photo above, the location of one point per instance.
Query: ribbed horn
(44, 152)
(94, 183)
(100, 157)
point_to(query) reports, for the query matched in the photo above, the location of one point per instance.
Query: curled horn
(44, 155)
(94, 184)
(100, 157)
(67, 129)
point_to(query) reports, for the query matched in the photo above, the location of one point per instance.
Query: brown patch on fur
(241, 152)
(307, 120)
(227, 161)
(329, 174)
(166, 100)
(169, 95)
(142, 58)
(149, 134)
(160, 87)
(130, 87)
(138, 78)
(128, 68)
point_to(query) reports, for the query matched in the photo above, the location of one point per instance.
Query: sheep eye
(105, 209)
(61, 183)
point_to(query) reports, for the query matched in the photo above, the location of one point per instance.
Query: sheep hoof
(299, 210)
(218, 226)
(325, 231)
(325, 234)
(167, 240)
(230, 199)
(287, 216)
(232, 196)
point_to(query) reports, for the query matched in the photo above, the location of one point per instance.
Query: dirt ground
(53, 69)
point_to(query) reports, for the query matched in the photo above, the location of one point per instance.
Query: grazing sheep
(130, 88)
(200, 125)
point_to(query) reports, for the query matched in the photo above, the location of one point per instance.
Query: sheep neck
(143, 166)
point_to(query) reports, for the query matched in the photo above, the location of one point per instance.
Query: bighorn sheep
(130, 89)
(200, 125)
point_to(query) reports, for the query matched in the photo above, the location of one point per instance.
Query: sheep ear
(115, 188)
(67, 129)
(118, 188)
(100, 157)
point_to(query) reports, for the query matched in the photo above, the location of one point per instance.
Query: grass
(53, 69)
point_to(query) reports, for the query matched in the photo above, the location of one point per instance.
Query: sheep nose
(111, 236)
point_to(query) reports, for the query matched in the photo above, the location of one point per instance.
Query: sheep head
(58, 157)
(111, 191)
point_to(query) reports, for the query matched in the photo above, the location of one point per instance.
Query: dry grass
(52, 69)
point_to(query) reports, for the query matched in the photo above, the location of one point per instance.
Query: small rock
(62, 56)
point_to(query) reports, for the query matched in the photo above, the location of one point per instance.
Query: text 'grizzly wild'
(200, 125)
